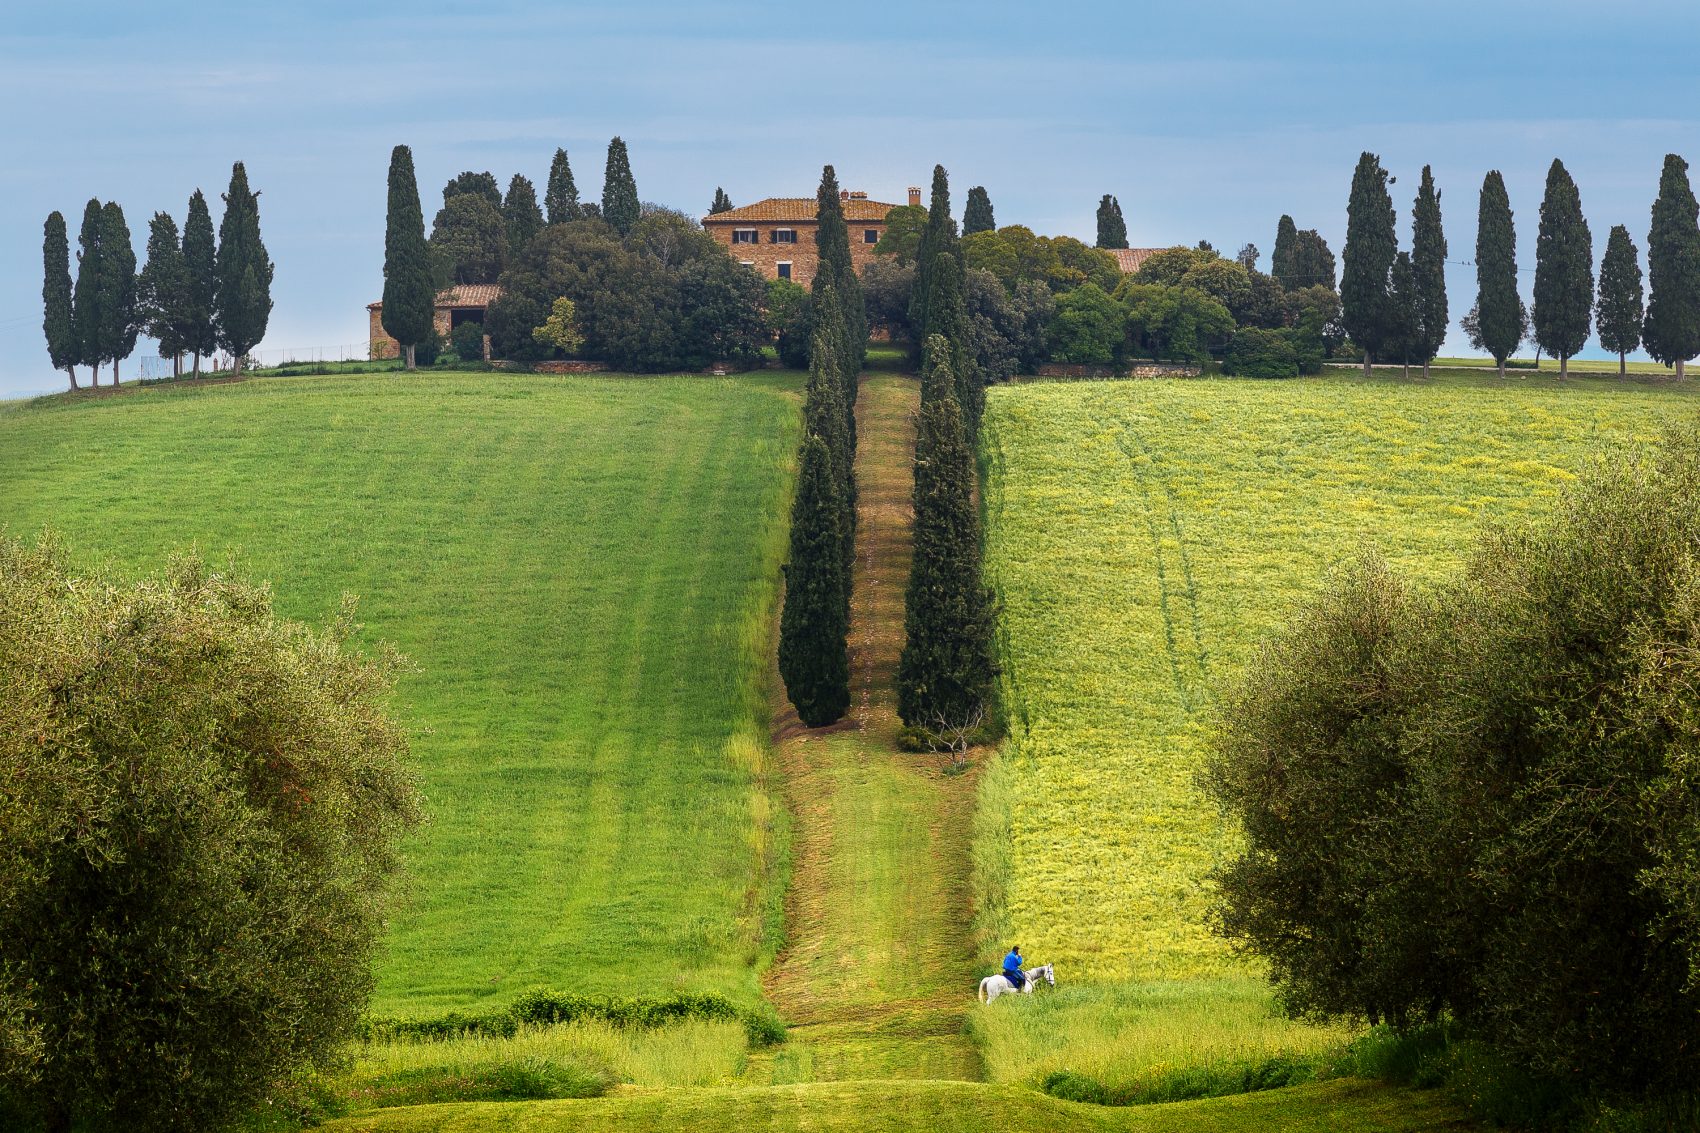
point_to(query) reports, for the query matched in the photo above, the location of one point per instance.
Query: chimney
(914, 196)
(858, 195)
(844, 194)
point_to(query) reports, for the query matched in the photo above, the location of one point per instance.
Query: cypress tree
(1564, 270)
(977, 213)
(560, 199)
(829, 341)
(1281, 259)
(56, 321)
(814, 630)
(823, 417)
(1620, 311)
(947, 318)
(1112, 229)
(939, 235)
(1405, 326)
(1428, 273)
(242, 303)
(119, 324)
(722, 203)
(410, 292)
(200, 266)
(520, 213)
(1500, 316)
(836, 269)
(161, 289)
(1371, 245)
(86, 315)
(938, 380)
(944, 676)
(1671, 333)
(620, 206)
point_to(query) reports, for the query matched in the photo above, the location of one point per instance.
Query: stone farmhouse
(777, 236)
(464, 302)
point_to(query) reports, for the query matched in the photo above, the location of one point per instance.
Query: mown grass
(1143, 538)
(583, 572)
(946, 1107)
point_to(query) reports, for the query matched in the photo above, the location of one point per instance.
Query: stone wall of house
(804, 258)
(381, 345)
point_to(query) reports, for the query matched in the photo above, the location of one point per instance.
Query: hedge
(544, 1007)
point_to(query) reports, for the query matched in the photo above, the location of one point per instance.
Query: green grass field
(1144, 537)
(583, 574)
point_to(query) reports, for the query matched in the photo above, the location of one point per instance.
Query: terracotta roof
(461, 295)
(1130, 259)
(799, 210)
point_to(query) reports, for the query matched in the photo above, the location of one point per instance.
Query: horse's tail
(984, 995)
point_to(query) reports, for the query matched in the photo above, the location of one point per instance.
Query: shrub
(1485, 801)
(1257, 353)
(200, 818)
(468, 342)
(544, 1007)
(427, 352)
(786, 312)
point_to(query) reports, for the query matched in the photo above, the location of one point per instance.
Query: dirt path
(876, 980)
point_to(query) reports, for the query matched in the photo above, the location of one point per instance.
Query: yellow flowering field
(1143, 538)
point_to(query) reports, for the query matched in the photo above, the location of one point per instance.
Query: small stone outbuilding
(462, 303)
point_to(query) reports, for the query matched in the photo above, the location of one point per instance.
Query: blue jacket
(1012, 962)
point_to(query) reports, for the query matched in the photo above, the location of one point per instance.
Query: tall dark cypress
(160, 290)
(947, 318)
(939, 235)
(620, 206)
(938, 380)
(1620, 311)
(243, 302)
(1404, 312)
(560, 198)
(520, 213)
(1564, 270)
(119, 321)
(200, 266)
(829, 347)
(1499, 313)
(1281, 259)
(814, 629)
(1428, 272)
(1112, 228)
(87, 318)
(944, 677)
(836, 269)
(410, 293)
(1671, 333)
(1371, 245)
(722, 203)
(977, 213)
(56, 320)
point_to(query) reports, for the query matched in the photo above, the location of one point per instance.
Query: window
(784, 235)
(745, 236)
(871, 236)
(784, 269)
(748, 263)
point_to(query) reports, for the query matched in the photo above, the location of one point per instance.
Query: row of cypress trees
(814, 626)
(192, 296)
(944, 677)
(1394, 304)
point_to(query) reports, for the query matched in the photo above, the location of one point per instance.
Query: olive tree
(197, 837)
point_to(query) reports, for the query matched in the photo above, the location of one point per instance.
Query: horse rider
(1012, 968)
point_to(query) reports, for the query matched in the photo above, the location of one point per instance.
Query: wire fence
(153, 367)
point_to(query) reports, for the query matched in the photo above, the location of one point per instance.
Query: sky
(1206, 119)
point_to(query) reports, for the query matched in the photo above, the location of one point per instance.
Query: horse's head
(1050, 975)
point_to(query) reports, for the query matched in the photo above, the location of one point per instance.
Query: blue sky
(1207, 119)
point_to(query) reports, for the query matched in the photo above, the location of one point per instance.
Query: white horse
(993, 986)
